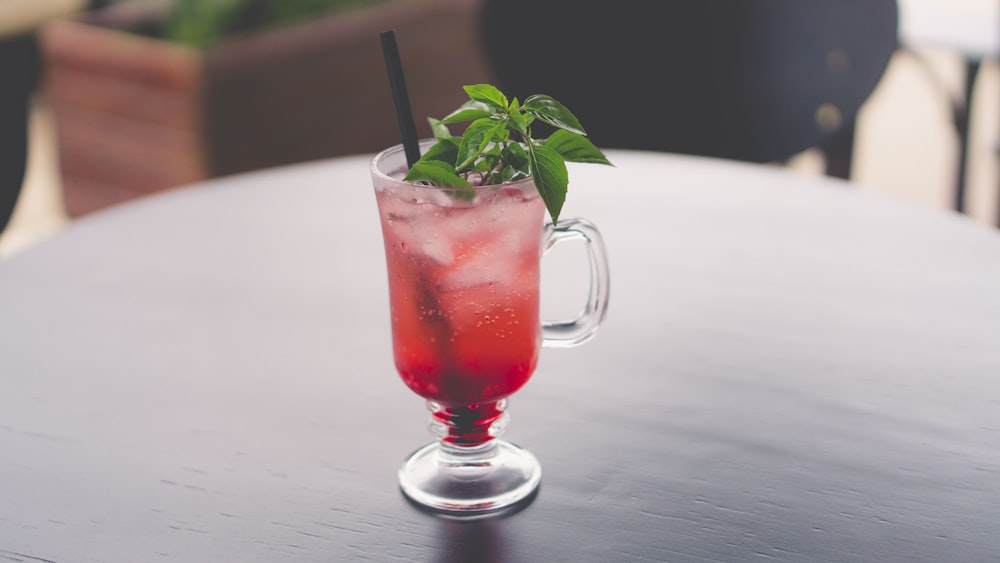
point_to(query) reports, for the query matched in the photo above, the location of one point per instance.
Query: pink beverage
(463, 271)
(463, 267)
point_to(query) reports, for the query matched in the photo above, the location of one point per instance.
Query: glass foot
(476, 481)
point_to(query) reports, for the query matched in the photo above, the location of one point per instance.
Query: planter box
(136, 115)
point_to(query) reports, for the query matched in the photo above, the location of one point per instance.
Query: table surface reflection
(792, 368)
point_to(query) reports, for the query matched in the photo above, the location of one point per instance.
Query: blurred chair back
(18, 79)
(751, 80)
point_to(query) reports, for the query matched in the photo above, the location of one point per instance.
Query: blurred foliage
(203, 22)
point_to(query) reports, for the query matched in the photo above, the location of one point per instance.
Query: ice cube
(476, 270)
(438, 250)
(495, 265)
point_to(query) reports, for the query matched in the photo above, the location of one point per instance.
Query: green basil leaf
(439, 129)
(503, 132)
(575, 148)
(518, 120)
(492, 155)
(515, 157)
(487, 94)
(445, 150)
(477, 137)
(437, 173)
(551, 178)
(497, 146)
(469, 111)
(550, 111)
(484, 165)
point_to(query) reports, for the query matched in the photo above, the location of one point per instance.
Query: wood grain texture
(791, 369)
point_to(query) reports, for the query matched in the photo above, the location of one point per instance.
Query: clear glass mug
(464, 279)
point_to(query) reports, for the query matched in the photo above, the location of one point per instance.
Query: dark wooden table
(792, 369)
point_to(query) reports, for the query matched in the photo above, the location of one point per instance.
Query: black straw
(399, 95)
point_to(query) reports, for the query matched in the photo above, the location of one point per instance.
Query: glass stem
(464, 430)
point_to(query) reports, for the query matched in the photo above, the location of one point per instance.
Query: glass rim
(394, 150)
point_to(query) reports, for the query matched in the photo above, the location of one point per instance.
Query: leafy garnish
(498, 146)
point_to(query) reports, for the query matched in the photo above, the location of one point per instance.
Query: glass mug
(464, 278)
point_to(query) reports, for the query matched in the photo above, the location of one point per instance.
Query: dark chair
(19, 74)
(751, 80)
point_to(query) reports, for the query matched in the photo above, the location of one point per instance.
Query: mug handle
(576, 331)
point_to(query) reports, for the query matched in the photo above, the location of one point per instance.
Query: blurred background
(185, 117)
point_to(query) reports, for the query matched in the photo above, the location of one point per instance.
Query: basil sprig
(498, 147)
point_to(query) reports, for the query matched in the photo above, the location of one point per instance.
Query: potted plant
(150, 95)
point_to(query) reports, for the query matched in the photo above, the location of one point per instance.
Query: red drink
(463, 267)
(463, 289)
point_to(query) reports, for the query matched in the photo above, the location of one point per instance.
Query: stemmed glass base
(458, 478)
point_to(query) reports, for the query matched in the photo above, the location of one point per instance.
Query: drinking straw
(401, 98)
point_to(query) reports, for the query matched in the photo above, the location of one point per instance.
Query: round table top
(791, 368)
